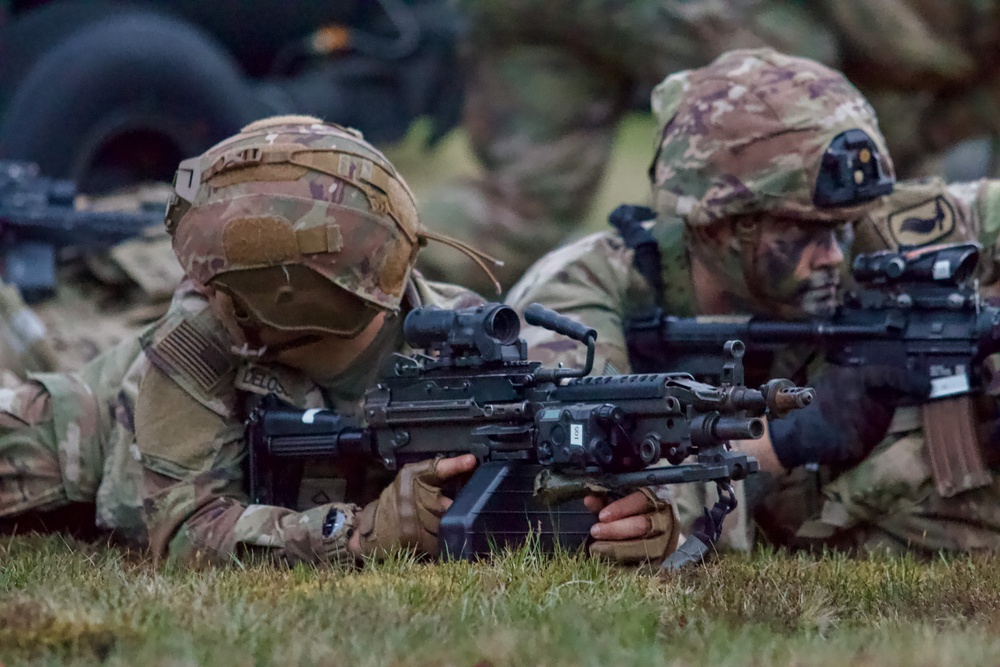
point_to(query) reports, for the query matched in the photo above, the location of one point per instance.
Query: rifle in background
(39, 218)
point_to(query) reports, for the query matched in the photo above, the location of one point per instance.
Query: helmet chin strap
(253, 348)
(272, 352)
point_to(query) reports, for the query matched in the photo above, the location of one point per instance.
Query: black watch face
(334, 522)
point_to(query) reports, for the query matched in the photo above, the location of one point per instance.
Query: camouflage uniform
(889, 500)
(152, 430)
(548, 81)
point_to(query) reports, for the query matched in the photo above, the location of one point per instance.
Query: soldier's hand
(638, 528)
(850, 416)
(408, 511)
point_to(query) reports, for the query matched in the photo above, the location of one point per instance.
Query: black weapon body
(544, 437)
(917, 310)
(38, 217)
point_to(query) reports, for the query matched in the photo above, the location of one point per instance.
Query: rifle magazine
(953, 446)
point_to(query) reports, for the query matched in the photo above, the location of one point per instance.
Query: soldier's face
(799, 264)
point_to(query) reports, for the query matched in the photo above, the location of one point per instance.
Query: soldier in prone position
(763, 166)
(298, 240)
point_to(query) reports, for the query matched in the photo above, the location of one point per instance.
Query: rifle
(38, 217)
(544, 437)
(917, 309)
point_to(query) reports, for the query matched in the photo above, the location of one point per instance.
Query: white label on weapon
(949, 386)
(309, 416)
(576, 435)
(942, 269)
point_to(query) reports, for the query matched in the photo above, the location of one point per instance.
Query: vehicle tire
(31, 34)
(124, 99)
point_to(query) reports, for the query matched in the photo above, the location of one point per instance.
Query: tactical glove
(853, 409)
(658, 541)
(407, 513)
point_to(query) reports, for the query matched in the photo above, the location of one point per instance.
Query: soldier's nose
(826, 252)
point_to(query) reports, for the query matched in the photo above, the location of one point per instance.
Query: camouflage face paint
(799, 264)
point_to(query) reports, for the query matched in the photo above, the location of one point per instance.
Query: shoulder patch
(924, 223)
(182, 349)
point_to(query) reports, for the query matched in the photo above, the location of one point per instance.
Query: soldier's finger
(594, 503)
(452, 467)
(634, 503)
(630, 528)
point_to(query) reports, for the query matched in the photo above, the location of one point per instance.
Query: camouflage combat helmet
(757, 131)
(305, 224)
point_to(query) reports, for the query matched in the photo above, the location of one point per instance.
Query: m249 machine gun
(917, 309)
(544, 437)
(38, 217)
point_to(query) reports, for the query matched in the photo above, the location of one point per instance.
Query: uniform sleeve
(592, 282)
(195, 506)
(986, 228)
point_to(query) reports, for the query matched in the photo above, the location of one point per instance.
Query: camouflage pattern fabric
(548, 81)
(57, 431)
(748, 134)
(161, 452)
(24, 338)
(292, 190)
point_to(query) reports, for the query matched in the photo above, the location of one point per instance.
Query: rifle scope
(464, 328)
(950, 264)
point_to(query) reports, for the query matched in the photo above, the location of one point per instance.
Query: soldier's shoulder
(192, 347)
(590, 261)
(443, 295)
(922, 212)
(983, 198)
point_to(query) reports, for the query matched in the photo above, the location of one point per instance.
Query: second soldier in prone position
(763, 165)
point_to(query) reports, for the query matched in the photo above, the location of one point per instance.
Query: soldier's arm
(983, 197)
(593, 282)
(195, 504)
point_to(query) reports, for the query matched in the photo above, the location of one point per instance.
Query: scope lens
(503, 324)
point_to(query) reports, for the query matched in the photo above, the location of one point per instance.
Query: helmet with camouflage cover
(757, 131)
(303, 223)
(757, 137)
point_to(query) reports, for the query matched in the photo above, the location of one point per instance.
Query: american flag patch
(188, 352)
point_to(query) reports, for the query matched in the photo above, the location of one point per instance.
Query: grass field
(64, 602)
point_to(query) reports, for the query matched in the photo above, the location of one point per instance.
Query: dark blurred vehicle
(111, 92)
